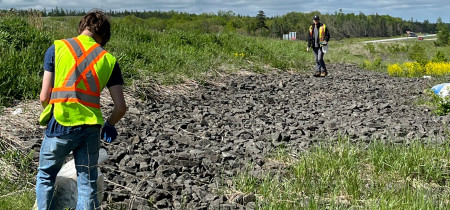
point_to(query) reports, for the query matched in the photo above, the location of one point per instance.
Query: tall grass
(173, 56)
(142, 50)
(21, 54)
(378, 176)
(17, 178)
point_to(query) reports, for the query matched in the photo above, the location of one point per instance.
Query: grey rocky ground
(181, 151)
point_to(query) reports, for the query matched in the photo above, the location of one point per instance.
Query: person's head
(97, 23)
(316, 19)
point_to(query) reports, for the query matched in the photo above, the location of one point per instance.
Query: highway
(425, 38)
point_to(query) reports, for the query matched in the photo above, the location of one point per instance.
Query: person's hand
(324, 43)
(307, 49)
(109, 132)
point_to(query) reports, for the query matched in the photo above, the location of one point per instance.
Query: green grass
(17, 178)
(345, 175)
(143, 52)
(174, 56)
(21, 53)
(353, 50)
(329, 176)
(439, 106)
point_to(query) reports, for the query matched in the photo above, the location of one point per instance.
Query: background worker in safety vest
(318, 37)
(76, 71)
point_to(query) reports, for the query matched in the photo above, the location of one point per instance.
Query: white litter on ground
(17, 111)
(442, 90)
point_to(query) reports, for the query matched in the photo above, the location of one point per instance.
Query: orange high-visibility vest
(82, 69)
(321, 32)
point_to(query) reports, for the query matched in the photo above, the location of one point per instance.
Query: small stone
(151, 139)
(133, 110)
(210, 197)
(162, 203)
(136, 140)
(251, 205)
(227, 155)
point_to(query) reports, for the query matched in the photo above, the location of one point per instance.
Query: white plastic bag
(17, 111)
(325, 49)
(442, 90)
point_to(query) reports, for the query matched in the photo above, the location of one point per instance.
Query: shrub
(443, 34)
(373, 65)
(417, 54)
(395, 70)
(414, 69)
(439, 57)
(439, 69)
(397, 48)
(370, 47)
(441, 105)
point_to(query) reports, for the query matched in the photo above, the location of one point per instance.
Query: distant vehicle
(412, 34)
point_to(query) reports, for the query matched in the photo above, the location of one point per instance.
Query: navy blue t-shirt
(54, 129)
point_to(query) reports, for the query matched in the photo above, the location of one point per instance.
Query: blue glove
(109, 132)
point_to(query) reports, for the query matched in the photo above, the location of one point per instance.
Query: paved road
(402, 38)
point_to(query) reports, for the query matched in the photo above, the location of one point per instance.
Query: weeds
(417, 53)
(377, 176)
(439, 105)
(376, 64)
(173, 56)
(437, 66)
(370, 47)
(415, 69)
(17, 178)
(143, 51)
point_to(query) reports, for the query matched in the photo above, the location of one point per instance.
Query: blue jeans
(85, 144)
(318, 56)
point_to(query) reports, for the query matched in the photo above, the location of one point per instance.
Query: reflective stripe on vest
(321, 32)
(82, 70)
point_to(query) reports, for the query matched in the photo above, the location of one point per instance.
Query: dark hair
(98, 23)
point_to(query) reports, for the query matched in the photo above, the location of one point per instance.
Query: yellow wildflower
(395, 70)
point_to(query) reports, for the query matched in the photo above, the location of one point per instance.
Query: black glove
(109, 132)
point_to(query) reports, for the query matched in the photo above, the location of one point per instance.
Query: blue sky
(405, 9)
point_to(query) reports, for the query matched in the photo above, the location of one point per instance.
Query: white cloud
(406, 9)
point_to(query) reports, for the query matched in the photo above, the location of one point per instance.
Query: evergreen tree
(261, 20)
(443, 34)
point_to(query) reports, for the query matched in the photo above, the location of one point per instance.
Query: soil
(180, 149)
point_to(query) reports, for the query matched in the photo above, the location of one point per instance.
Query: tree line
(341, 25)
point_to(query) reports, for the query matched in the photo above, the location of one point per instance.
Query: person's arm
(309, 38)
(120, 107)
(47, 86)
(47, 81)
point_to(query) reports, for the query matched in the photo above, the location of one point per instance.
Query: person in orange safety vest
(76, 71)
(318, 38)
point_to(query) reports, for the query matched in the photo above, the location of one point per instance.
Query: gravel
(182, 151)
